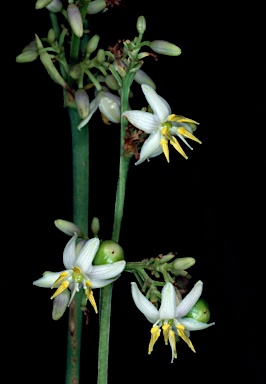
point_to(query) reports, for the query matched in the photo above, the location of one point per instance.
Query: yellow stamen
(90, 296)
(181, 119)
(166, 328)
(182, 333)
(186, 133)
(164, 145)
(178, 147)
(173, 342)
(76, 270)
(155, 333)
(61, 277)
(63, 286)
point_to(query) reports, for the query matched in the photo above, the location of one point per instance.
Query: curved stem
(80, 165)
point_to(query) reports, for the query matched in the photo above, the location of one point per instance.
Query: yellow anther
(63, 286)
(164, 145)
(181, 119)
(76, 270)
(155, 333)
(182, 333)
(61, 277)
(178, 147)
(166, 328)
(182, 131)
(90, 296)
(172, 340)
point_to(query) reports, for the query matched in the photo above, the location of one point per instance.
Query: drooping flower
(162, 127)
(170, 316)
(109, 106)
(79, 272)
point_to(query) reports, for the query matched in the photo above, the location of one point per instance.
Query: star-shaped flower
(162, 127)
(79, 272)
(108, 104)
(170, 316)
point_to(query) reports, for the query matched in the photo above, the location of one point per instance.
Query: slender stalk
(106, 292)
(80, 164)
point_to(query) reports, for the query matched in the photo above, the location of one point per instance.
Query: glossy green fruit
(200, 311)
(109, 252)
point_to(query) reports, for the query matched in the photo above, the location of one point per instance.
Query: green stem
(106, 292)
(80, 161)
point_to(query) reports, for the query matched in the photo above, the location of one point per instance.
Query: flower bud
(49, 65)
(82, 103)
(95, 226)
(42, 3)
(96, 6)
(141, 25)
(51, 36)
(93, 43)
(200, 311)
(60, 304)
(75, 72)
(110, 107)
(183, 263)
(27, 57)
(111, 82)
(165, 48)
(100, 56)
(55, 6)
(141, 77)
(32, 46)
(75, 19)
(108, 252)
(67, 227)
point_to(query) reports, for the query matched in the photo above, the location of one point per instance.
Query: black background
(210, 207)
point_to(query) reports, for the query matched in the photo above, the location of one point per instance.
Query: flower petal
(93, 106)
(190, 300)
(168, 303)
(69, 254)
(86, 255)
(194, 325)
(110, 107)
(145, 121)
(144, 305)
(150, 148)
(107, 271)
(99, 283)
(60, 304)
(47, 280)
(159, 106)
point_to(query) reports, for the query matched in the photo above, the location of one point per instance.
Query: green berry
(200, 311)
(109, 252)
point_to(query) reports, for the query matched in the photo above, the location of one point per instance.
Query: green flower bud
(27, 57)
(183, 263)
(96, 6)
(141, 25)
(75, 19)
(82, 103)
(95, 226)
(32, 46)
(100, 56)
(67, 227)
(55, 6)
(93, 43)
(51, 35)
(200, 311)
(141, 77)
(109, 252)
(49, 65)
(42, 3)
(75, 72)
(165, 48)
(111, 82)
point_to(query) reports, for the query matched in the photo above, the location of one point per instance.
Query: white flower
(109, 106)
(162, 126)
(80, 272)
(170, 316)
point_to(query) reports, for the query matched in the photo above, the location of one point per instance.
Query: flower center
(77, 276)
